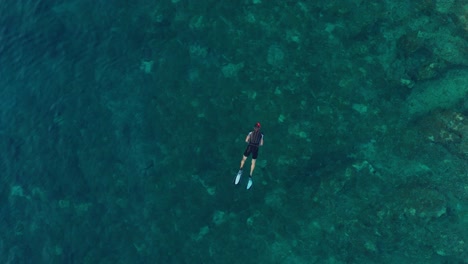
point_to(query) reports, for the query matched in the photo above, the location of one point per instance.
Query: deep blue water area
(123, 125)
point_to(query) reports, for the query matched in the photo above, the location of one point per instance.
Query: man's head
(257, 126)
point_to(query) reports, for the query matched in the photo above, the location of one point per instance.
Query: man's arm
(247, 138)
(261, 141)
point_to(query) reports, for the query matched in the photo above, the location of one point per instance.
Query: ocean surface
(123, 124)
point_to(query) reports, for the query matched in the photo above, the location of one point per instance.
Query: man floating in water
(254, 140)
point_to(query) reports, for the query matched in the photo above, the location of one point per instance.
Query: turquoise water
(122, 128)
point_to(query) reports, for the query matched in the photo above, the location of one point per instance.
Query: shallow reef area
(123, 126)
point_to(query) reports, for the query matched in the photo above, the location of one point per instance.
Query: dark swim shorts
(253, 150)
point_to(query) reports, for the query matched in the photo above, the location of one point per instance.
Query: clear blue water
(122, 126)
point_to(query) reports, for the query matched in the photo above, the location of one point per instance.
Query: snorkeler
(254, 140)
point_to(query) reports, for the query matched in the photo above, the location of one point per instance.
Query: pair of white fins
(238, 177)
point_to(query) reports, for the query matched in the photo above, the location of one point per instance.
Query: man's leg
(252, 167)
(239, 174)
(242, 162)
